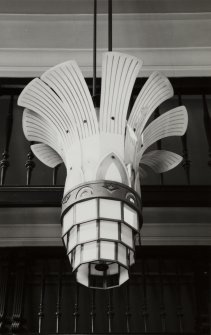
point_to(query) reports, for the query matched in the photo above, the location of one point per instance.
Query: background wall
(171, 36)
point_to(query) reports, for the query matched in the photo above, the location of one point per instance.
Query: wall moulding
(175, 43)
(39, 226)
(173, 62)
(119, 6)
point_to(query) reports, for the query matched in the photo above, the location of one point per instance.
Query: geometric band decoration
(105, 152)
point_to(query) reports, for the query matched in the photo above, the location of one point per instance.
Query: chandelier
(105, 153)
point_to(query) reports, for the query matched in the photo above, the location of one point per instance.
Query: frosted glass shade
(86, 210)
(88, 231)
(89, 252)
(72, 241)
(130, 216)
(87, 275)
(67, 221)
(127, 235)
(99, 234)
(77, 256)
(107, 250)
(122, 254)
(110, 209)
(109, 230)
(104, 210)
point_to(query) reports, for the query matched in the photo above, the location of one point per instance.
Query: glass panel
(86, 210)
(126, 235)
(107, 250)
(72, 239)
(113, 269)
(132, 260)
(67, 221)
(82, 274)
(109, 230)
(122, 254)
(94, 272)
(123, 275)
(77, 256)
(110, 209)
(88, 231)
(65, 240)
(90, 251)
(70, 257)
(131, 216)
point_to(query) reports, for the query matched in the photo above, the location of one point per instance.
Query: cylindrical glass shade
(99, 234)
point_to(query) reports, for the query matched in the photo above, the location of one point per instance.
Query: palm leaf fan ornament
(101, 207)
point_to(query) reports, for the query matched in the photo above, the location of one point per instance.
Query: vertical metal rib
(93, 310)
(30, 165)
(41, 304)
(4, 163)
(59, 295)
(109, 25)
(76, 309)
(162, 302)
(110, 313)
(127, 312)
(159, 143)
(179, 302)
(18, 302)
(207, 126)
(4, 274)
(145, 313)
(186, 162)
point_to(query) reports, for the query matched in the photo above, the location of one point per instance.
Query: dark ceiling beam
(152, 196)
(190, 86)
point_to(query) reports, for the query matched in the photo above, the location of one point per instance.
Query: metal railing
(168, 292)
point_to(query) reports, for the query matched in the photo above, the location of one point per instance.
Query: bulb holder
(100, 221)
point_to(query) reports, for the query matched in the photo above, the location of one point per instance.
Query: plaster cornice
(173, 62)
(174, 43)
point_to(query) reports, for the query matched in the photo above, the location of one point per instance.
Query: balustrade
(167, 293)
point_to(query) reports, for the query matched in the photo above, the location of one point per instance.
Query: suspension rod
(94, 49)
(109, 25)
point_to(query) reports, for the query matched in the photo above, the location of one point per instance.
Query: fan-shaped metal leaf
(156, 90)
(119, 72)
(46, 154)
(172, 123)
(40, 98)
(37, 129)
(161, 160)
(68, 82)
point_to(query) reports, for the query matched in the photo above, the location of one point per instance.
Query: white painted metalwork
(46, 154)
(171, 123)
(161, 161)
(156, 90)
(60, 117)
